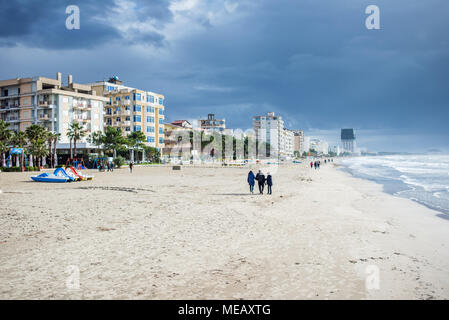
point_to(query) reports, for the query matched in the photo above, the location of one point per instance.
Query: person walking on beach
(251, 181)
(269, 182)
(131, 167)
(260, 177)
(311, 164)
(315, 164)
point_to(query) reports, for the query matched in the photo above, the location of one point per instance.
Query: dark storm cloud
(311, 61)
(42, 23)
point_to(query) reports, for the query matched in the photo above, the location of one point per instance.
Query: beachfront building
(177, 141)
(348, 140)
(212, 124)
(269, 128)
(298, 142)
(129, 109)
(319, 146)
(288, 141)
(53, 105)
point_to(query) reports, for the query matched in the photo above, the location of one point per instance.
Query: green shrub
(119, 161)
(10, 169)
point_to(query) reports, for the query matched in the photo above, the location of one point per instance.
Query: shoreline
(199, 234)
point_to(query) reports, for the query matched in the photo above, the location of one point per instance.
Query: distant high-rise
(348, 140)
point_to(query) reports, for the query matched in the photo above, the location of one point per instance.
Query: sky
(313, 62)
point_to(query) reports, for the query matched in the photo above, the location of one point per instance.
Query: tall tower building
(348, 140)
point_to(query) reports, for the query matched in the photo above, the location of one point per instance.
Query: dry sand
(198, 234)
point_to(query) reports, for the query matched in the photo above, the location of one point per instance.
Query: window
(137, 119)
(150, 109)
(161, 131)
(109, 111)
(118, 108)
(127, 129)
(161, 101)
(128, 119)
(127, 98)
(161, 112)
(150, 129)
(160, 121)
(150, 119)
(137, 128)
(150, 139)
(151, 100)
(117, 98)
(137, 108)
(161, 140)
(136, 96)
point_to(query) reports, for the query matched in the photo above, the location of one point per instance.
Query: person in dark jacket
(260, 177)
(251, 181)
(269, 182)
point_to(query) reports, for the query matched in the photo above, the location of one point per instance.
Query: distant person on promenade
(260, 177)
(269, 182)
(251, 181)
(315, 164)
(131, 164)
(311, 164)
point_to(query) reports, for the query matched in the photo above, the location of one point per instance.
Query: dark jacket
(260, 177)
(251, 178)
(269, 180)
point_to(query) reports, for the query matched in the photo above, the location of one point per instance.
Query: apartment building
(129, 109)
(212, 124)
(49, 103)
(298, 142)
(270, 129)
(177, 140)
(288, 141)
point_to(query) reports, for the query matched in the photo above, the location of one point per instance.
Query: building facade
(348, 140)
(298, 142)
(270, 129)
(49, 103)
(212, 124)
(288, 143)
(129, 110)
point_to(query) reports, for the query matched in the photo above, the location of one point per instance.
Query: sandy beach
(198, 234)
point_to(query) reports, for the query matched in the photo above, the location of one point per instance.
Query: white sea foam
(425, 178)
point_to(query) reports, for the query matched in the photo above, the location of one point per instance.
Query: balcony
(125, 123)
(125, 112)
(44, 117)
(82, 119)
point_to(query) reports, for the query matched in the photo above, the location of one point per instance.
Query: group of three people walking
(261, 181)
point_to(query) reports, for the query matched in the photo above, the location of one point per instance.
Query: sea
(422, 178)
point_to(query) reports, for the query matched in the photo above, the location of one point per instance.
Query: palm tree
(35, 135)
(5, 135)
(56, 137)
(39, 150)
(135, 139)
(97, 139)
(77, 133)
(50, 149)
(70, 134)
(19, 140)
(113, 140)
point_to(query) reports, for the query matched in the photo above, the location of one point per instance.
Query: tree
(152, 153)
(56, 137)
(135, 140)
(113, 140)
(77, 132)
(97, 139)
(19, 140)
(5, 135)
(35, 135)
(39, 150)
